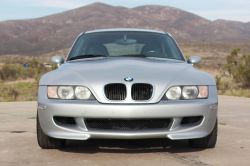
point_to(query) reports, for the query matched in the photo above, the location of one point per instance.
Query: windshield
(122, 44)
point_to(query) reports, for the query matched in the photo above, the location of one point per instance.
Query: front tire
(206, 142)
(46, 142)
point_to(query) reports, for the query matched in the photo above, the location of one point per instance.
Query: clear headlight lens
(190, 92)
(82, 93)
(69, 93)
(66, 92)
(203, 92)
(52, 92)
(187, 92)
(174, 93)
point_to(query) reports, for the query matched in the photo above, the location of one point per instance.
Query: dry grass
(226, 84)
(21, 59)
(22, 91)
(213, 57)
(18, 83)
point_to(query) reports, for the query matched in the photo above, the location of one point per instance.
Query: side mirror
(194, 60)
(58, 60)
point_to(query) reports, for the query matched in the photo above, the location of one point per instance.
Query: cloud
(61, 4)
(227, 14)
(66, 4)
(212, 10)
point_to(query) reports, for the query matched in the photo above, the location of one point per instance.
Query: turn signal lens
(203, 92)
(52, 92)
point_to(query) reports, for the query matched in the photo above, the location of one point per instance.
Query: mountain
(58, 31)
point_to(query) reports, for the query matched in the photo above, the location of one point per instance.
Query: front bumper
(175, 110)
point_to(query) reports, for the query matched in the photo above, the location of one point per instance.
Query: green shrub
(239, 67)
(222, 86)
(13, 93)
(8, 72)
(187, 57)
(218, 81)
(21, 91)
(15, 72)
(34, 64)
(54, 67)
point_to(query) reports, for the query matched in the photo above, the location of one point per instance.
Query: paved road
(233, 146)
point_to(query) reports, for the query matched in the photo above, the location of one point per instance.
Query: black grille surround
(127, 124)
(115, 91)
(141, 91)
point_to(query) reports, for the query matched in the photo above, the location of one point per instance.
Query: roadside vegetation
(18, 83)
(14, 72)
(21, 91)
(222, 123)
(233, 77)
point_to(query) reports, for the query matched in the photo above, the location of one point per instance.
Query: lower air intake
(192, 120)
(127, 124)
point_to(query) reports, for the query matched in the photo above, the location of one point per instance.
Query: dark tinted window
(126, 43)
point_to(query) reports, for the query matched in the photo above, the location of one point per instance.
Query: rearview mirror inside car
(125, 42)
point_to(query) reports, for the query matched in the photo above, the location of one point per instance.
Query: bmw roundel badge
(129, 79)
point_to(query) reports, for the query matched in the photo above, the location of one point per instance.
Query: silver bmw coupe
(126, 84)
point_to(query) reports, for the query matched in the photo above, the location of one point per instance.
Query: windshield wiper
(87, 56)
(135, 55)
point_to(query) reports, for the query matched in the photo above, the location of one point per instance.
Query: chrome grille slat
(141, 91)
(115, 91)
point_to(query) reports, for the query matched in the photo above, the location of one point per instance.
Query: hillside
(58, 31)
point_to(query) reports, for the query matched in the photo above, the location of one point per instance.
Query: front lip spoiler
(105, 135)
(175, 132)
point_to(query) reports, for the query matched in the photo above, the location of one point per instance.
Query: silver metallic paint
(124, 30)
(94, 73)
(58, 60)
(194, 60)
(93, 109)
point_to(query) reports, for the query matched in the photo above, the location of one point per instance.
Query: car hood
(97, 72)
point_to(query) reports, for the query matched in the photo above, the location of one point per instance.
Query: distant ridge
(58, 31)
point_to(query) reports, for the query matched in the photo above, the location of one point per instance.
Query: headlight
(69, 93)
(186, 92)
(190, 92)
(174, 93)
(66, 92)
(82, 92)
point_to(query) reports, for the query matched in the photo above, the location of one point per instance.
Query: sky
(234, 10)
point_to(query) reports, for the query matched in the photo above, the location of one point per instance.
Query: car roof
(124, 29)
